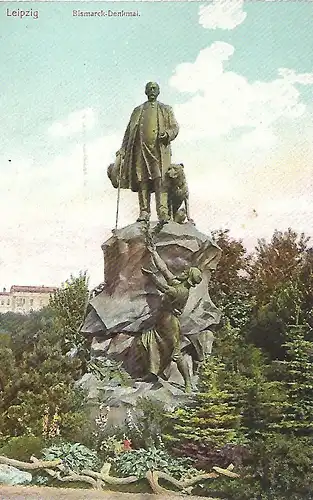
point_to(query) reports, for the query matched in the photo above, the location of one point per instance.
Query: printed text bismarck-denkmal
(105, 13)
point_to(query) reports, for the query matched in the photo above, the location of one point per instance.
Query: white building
(25, 299)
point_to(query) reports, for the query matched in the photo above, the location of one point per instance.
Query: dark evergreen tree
(213, 417)
(296, 374)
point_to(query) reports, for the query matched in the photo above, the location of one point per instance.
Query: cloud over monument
(74, 123)
(222, 14)
(222, 101)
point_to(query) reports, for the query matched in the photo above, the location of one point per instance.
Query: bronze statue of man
(163, 343)
(146, 152)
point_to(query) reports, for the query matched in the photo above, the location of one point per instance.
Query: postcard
(156, 245)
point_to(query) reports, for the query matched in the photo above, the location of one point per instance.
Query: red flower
(127, 444)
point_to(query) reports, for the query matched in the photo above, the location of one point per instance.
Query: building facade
(25, 299)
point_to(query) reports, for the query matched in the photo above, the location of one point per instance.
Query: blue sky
(238, 76)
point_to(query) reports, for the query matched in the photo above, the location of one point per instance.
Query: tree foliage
(296, 377)
(253, 406)
(69, 305)
(281, 282)
(229, 285)
(37, 374)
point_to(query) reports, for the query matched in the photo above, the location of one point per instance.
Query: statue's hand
(164, 138)
(150, 248)
(145, 271)
(121, 153)
(191, 221)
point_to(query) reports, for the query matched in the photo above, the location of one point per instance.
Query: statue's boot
(161, 201)
(183, 368)
(144, 203)
(151, 377)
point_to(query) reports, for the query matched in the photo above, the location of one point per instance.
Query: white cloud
(208, 67)
(222, 101)
(293, 77)
(262, 137)
(223, 14)
(74, 123)
(58, 217)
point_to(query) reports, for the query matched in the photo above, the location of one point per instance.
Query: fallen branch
(226, 472)
(153, 480)
(187, 484)
(104, 475)
(38, 464)
(182, 484)
(70, 477)
(74, 477)
(99, 479)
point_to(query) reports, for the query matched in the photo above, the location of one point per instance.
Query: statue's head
(194, 276)
(152, 91)
(175, 170)
(180, 216)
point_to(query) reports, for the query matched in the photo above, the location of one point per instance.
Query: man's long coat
(166, 123)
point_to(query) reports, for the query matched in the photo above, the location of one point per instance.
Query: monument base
(126, 309)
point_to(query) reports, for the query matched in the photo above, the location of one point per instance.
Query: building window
(2, 302)
(31, 302)
(8, 302)
(23, 302)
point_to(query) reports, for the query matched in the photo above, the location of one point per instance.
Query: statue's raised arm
(156, 259)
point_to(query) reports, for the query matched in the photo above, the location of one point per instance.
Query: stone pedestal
(129, 302)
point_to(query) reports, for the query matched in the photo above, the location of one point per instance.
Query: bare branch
(38, 464)
(110, 479)
(99, 479)
(182, 484)
(73, 477)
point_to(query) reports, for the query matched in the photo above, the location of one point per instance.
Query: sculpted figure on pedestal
(153, 312)
(145, 156)
(163, 343)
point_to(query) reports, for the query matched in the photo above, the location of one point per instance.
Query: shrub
(145, 423)
(138, 462)
(280, 468)
(283, 467)
(111, 446)
(22, 447)
(205, 456)
(74, 456)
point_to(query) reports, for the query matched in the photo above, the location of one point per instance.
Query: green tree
(42, 381)
(295, 373)
(229, 287)
(278, 280)
(38, 372)
(280, 468)
(213, 416)
(260, 399)
(69, 305)
(26, 329)
(306, 279)
(263, 406)
(275, 263)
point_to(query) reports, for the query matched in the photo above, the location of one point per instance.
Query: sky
(239, 78)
